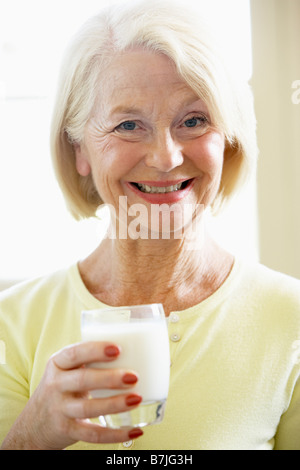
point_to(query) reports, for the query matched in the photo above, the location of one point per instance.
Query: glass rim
(156, 309)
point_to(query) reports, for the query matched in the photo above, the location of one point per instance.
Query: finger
(84, 430)
(85, 379)
(79, 354)
(85, 408)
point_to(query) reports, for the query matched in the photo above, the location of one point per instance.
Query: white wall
(276, 67)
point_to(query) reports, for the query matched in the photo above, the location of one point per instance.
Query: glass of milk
(142, 334)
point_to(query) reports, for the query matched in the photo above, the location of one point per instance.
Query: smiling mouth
(145, 188)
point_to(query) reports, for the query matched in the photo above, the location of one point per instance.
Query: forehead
(136, 74)
(142, 64)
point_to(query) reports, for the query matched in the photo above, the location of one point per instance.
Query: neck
(124, 272)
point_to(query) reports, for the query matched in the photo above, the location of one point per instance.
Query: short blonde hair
(163, 27)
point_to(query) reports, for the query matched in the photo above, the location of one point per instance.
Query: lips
(162, 191)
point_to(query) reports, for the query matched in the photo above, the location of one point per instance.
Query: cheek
(114, 160)
(126, 156)
(207, 152)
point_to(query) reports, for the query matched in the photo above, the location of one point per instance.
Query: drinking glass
(142, 334)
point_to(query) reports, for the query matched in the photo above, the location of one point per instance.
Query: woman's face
(150, 137)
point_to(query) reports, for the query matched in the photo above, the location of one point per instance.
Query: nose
(164, 153)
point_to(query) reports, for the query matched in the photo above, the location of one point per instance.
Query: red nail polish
(132, 400)
(129, 378)
(111, 351)
(134, 433)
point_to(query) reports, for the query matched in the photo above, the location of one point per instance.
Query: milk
(144, 350)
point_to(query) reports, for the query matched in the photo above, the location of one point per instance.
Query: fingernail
(111, 351)
(134, 433)
(129, 378)
(132, 400)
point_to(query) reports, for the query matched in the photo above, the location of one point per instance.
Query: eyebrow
(131, 110)
(125, 110)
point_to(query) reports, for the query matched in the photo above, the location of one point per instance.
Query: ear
(82, 162)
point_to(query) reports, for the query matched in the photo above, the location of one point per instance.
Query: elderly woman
(147, 114)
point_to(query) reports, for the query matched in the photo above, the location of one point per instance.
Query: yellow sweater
(235, 359)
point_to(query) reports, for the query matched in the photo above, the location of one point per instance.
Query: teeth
(157, 189)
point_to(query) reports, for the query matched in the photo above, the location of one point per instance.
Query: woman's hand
(57, 415)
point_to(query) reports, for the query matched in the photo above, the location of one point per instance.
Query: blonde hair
(163, 27)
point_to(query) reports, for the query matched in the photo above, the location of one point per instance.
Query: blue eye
(194, 121)
(127, 126)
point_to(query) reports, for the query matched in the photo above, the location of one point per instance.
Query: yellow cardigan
(235, 359)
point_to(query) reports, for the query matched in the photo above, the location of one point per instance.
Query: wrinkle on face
(133, 89)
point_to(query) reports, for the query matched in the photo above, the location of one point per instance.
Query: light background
(37, 235)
